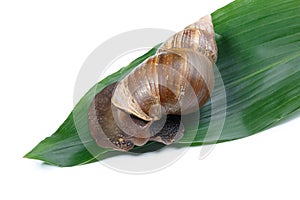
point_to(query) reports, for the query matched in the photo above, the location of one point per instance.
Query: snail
(147, 104)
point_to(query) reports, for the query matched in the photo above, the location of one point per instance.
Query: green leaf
(259, 56)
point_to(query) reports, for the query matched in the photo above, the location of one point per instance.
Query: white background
(42, 48)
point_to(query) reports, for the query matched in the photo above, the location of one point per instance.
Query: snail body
(148, 102)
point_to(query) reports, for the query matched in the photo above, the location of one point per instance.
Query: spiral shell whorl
(196, 40)
(198, 36)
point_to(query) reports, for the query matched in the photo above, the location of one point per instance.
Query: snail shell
(148, 102)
